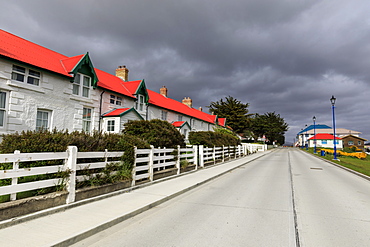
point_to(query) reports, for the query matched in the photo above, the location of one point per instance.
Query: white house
(325, 141)
(40, 88)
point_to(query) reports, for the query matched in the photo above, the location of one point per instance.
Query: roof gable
(181, 124)
(354, 137)
(84, 66)
(121, 112)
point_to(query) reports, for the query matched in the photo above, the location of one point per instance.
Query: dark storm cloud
(287, 56)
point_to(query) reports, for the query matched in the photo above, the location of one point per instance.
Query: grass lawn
(362, 166)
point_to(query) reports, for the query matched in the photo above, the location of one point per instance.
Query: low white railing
(147, 163)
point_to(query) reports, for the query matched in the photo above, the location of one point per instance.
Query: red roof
(116, 112)
(112, 83)
(324, 136)
(222, 122)
(178, 124)
(25, 51)
(173, 105)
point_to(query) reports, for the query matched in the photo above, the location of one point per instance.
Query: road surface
(285, 198)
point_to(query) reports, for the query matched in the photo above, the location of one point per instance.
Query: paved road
(286, 198)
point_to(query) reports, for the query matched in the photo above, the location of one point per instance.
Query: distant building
(305, 134)
(325, 141)
(351, 140)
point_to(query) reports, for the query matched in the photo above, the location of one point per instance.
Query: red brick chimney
(187, 101)
(163, 90)
(122, 72)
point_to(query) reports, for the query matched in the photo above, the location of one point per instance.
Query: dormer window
(81, 85)
(139, 104)
(22, 74)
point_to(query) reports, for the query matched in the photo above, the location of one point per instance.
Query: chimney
(200, 108)
(122, 72)
(187, 101)
(163, 90)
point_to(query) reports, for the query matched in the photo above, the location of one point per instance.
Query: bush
(211, 139)
(155, 132)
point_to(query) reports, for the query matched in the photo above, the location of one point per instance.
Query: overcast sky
(283, 56)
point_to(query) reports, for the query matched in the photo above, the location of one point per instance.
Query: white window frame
(351, 143)
(81, 85)
(27, 75)
(45, 117)
(3, 105)
(111, 125)
(164, 115)
(87, 119)
(115, 100)
(179, 117)
(140, 102)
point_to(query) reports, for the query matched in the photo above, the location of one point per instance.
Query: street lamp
(314, 134)
(306, 144)
(332, 100)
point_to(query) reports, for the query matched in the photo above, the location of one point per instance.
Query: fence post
(178, 160)
(133, 172)
(151, 162)
(71, 166)
(195, 158)
(235, 152)
(214, 155)
(201, 157)
(223, 153)
(13, 196)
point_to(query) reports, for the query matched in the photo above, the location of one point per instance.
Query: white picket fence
(147, 163)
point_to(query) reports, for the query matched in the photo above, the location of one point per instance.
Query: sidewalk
(73, 223)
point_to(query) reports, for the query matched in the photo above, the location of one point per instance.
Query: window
(164, 115)
(115, 100)
(42, 120)
(86, 119)
(119, 101)
(350, 143)
(81, 85)
(179, 117)
(2, 108)
(110, 125)
(139, 104)
(26, 75)
(324, 142)
(359, 143)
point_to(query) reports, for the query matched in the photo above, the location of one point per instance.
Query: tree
(235, 112)
(270, 125)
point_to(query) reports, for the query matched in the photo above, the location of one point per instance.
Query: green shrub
(211, 139)
(156, 132)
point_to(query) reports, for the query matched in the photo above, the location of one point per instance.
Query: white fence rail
(147, 163)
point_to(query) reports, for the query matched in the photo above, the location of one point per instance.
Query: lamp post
(332, 100)
(306, 144)
(314, 134)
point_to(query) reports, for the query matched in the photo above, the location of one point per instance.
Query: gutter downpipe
(100, 116)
